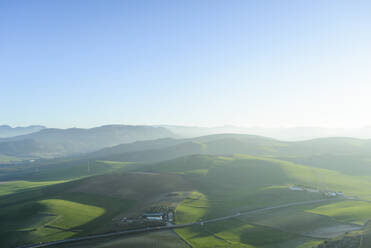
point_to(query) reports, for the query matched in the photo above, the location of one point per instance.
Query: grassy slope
(29, 207)
(229, 144)
(55, 212)
(355, 165)
(80, 207)
(58, 219)
(192, 209)
(12, 187)
(347, 211)
(59, 170)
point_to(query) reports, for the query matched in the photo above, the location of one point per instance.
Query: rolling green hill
(328, 153)
(41, 212)
(205, 177)
(221, 185)
(59, 170)
(346, 155)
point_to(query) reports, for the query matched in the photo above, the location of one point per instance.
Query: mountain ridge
(8, 131)
(53, 142)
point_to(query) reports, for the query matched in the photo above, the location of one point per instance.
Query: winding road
(152, 229)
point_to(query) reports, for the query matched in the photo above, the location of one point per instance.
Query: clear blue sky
(248, 63)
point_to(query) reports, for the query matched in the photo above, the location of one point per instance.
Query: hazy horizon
(180, 125)
(279, 133)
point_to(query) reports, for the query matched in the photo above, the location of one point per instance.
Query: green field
(12, 187)
(39, 210)
(8, 159)
(192, 209)
(43, 211)
(356, 212)
(236, 233)
(58, 219)
(50, 217)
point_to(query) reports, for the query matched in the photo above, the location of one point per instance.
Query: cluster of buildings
(328, 193)
(333, 194)
(297, 188)
(160, 216)
(151, 218)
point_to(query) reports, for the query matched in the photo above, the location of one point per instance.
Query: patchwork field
(223, 191)
(356, 212)
(236, 233)
(11, 187)
(285, 227)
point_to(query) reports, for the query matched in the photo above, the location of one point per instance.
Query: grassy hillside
(346, 155)
(218, 173)
(357, 165)
(11, 187)
(80, 207)
(347, 211)
(66, 169)
(53, 213)
(206, 185)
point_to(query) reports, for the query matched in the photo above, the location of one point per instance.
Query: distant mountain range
(289, 134)
(51, 142)
(347, 155)
(8, 131)
(113, 140)
(230, 144)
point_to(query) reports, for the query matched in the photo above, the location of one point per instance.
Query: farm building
(154, 216)
(331, 193)
(296, 188)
